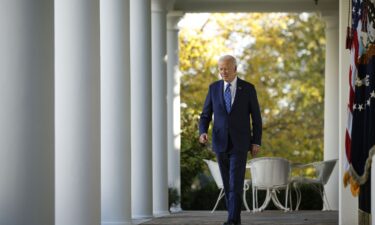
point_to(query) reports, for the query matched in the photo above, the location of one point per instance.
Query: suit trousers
(232, 164)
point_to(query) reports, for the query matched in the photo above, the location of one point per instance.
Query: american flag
(360, 131)
(354, 52)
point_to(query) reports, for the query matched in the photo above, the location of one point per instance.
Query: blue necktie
(228, 98)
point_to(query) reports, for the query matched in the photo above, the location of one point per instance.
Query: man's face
(227, 70)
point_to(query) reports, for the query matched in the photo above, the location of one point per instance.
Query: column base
(118, 223)
(175, 208)
(161, 213)
(139, 220)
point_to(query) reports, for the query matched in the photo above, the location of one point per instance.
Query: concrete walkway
(271, 217)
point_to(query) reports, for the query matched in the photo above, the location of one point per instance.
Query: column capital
(173, 17)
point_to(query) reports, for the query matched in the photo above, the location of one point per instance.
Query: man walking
(232, 101)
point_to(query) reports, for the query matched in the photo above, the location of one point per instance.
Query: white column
(173, 103)
(140, 61)
(331, 106)
(159, 108)
(348, 205)
(27, 113)
(115, 112)
(77, 118)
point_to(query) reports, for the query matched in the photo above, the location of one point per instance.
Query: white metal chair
(323, 171)
(270, 174)
(215, 172)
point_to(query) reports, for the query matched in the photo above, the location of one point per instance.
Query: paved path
(271, 217)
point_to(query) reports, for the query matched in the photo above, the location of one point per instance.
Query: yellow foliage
(283, 56)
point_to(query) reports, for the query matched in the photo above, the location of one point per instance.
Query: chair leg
(298, 193)
(276, 201)
(325, 200)
(246, 187)
(286, 197)
(245, 203)
(290, 199)
(218, 199)
(254, 207)
(256, 199)
(266, 201)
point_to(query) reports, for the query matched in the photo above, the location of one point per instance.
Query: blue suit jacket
(236, 123)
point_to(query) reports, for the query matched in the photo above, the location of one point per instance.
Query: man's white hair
(228, 58)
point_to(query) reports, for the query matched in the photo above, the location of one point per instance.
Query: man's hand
(203, 139)
(254, 150)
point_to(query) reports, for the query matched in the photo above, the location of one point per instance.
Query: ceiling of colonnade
(324, 6)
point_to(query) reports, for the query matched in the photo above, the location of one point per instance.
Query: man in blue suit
(232, 101)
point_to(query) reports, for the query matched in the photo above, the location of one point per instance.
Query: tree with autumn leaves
(283, 56)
